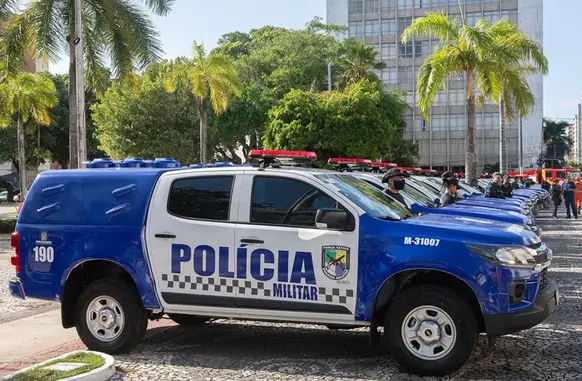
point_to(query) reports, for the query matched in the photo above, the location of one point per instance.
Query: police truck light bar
(348, 160)
(264, 158)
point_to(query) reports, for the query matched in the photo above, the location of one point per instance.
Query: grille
(544, 280)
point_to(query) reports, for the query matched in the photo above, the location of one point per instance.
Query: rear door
(292, 267)
(190, 240)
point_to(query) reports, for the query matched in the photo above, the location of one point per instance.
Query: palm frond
(9, 8)
(434, 25)
(16, 41)
(159, 7)
(48, 29)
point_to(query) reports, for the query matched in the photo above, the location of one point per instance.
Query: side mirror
(415, 207)
(437, 201)
(330, 218)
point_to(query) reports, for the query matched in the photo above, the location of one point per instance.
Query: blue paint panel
(93, 214)
(382, 254)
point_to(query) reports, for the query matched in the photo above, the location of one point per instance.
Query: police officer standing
(395, 181)
(569, 189)
(507, 187)
(556, 197)
(450, 195)
(494, 189)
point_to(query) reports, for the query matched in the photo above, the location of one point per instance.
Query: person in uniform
(556, 197)
(450, 195)
(494, 189)
(507, 187)
(569, 192)
(395, 182)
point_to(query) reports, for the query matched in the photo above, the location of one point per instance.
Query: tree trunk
(203, 128)
(470, 156)
(73, 127)
(21, 158)
(502, 140)
(38, 148)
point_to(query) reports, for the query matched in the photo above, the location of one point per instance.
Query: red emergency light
(272, 153)
(384, 165)
(347, 160)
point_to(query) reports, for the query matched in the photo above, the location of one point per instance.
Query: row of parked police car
(275, 239)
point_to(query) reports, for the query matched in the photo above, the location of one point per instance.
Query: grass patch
(93, 361)
(7, 226)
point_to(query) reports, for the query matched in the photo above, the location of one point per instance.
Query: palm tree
(117, 31)
(212, 77)
(26, 98)
(556, 139)
(359, 60)
(463, 50)
(523, 57)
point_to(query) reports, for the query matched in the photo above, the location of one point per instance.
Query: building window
(389, 75)
(438, 122)
(409, 50)
(372, 5)
(425, 49)
(355, 6)
(405, 4)
(440, 98)
(491, 120)
(510, 15)
(421, 3)
(404, 23)
(280, 201)
(439, 3)
(372, 28)
(491, 16)
(356, 29)
(388, 51)
(205, 198)
(457, 122)
(410, 98)
(472, 17)
(405, 74)
(389, 26)
(388, 5)
(456, 97)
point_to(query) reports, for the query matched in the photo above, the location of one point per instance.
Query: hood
(503, 200)
(464, 228)
(478, 212)
(490, 204)
(485, 210)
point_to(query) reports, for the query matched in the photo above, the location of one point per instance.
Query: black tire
(136, 317)
(189, 320)
(452, 304)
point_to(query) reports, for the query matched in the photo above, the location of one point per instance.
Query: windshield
(573, 175)
(437, 185)
(419, 197)
(372, 200)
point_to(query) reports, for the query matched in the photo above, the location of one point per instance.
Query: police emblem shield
(335, 261)
(43, 236)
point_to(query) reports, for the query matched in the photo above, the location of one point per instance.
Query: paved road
(262, 351)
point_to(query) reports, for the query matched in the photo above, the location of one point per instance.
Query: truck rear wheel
(110, 316)
(430, 330)
(188, 320)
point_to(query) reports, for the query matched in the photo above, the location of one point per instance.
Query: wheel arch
(407, 278)
(81, 275)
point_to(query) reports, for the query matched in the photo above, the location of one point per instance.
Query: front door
(290, 266)
(190, 241)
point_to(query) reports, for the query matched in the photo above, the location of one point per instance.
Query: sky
(206, 21)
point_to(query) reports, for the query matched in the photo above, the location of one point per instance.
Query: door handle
(165, 236)
(251, 240)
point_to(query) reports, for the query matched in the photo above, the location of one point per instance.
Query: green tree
(463, 50)
(146, 120)
(212, 77)
(115, 31)
(361, 121)
(26, 98)
(54, 140)
(523, 57)
(359, 60)
(557, 142)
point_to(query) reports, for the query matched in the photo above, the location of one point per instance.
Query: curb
(102, 373)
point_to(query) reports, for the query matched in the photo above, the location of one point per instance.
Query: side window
(283, 201)
(206, 198)
(560, 175)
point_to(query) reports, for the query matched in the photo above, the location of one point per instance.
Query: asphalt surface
(226, 350)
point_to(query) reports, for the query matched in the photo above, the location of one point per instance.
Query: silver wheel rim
(429, 333)
(105, 318)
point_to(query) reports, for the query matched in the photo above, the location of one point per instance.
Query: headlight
(511, 256)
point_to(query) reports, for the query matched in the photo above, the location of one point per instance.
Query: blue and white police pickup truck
(119, 246)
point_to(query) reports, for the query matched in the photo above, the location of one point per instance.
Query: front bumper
(545, 304)
(16, 289)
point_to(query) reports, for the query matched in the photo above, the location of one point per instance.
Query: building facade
(574, 132)
(441, 140)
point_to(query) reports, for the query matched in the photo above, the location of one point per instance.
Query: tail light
(15, 243)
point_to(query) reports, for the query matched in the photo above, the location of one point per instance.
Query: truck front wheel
(430, 330)
(110, 316)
